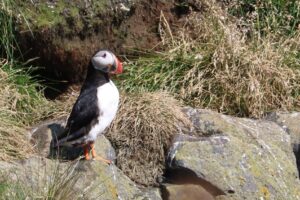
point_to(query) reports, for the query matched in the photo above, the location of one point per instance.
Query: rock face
(186, 191)
(76, 180)
(221, 157)
(42, 134)
(248, 159)
(291, 123)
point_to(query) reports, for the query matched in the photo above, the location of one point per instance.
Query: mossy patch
(42, 14)
(70, 16)
(3, 187)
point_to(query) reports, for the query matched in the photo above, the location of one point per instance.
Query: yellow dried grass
(142, 132)
(212, 64)
(20, 110)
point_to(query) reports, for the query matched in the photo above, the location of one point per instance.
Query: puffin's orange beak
(119, 69)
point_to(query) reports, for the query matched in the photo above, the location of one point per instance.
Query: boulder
(40, 177)
(244, 158)
(42, 135)
(290, 122)
(220, 157)
(185, 191)
(152, 193)
(89, 179)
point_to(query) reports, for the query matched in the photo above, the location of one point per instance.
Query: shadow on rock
(43, 135)
(182, 183)
(66, 152)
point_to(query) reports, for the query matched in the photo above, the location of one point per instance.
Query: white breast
(108, 102)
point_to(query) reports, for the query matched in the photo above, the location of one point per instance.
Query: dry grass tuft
(240, 78)
(13, 138)
(14, 143)
(212, 64)
(21, 106)
(142, 132)
(46, 181)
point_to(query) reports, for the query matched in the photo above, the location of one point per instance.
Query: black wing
(84, 114)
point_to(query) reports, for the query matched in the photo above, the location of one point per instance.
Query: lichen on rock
(251, 158)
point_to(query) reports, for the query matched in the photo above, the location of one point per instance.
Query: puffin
(95, 107)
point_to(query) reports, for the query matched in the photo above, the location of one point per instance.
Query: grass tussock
(22, 102)
(212, 64)
(45, 183)
(142, 132)
(21, 105)
(261, 18)
(7, 39)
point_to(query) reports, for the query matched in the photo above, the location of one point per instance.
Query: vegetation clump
(142, 133)
(21, 102)
(41, 181)
(212, 64)
(275, 17)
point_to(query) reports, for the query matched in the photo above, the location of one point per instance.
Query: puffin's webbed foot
(91, 146)
(86, 151)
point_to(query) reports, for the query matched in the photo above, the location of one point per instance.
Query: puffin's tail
(55, 143)
(56, 138)
(67, 137)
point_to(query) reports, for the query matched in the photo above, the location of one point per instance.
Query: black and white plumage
(96, 105)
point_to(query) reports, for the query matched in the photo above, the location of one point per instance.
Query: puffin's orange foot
(96, 157)
(87, 157)
(102, 159)
(86, 151)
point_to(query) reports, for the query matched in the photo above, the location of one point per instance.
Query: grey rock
(43, 134)
(245, 158)
(290, 122)
(76, 180)
(152, 193)
(186, 191)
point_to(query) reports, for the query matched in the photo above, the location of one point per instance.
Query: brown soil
(65, 56)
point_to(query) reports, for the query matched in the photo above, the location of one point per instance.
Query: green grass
(221, 70)
(63, 17)
(22, 102)
(279, 17)
(21, 106)
(3, 188)
(41, 14)
(7, 40)
(25, 99)
(157, 72)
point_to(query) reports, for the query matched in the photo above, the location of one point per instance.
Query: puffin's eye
(104, 55)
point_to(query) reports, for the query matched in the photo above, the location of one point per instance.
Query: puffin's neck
(95, 78)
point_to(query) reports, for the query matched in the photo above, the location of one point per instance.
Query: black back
(85, 111)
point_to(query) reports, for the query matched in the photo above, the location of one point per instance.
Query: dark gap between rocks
(296, 150)
(191, 184)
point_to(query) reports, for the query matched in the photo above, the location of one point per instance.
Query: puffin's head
(107, 62)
